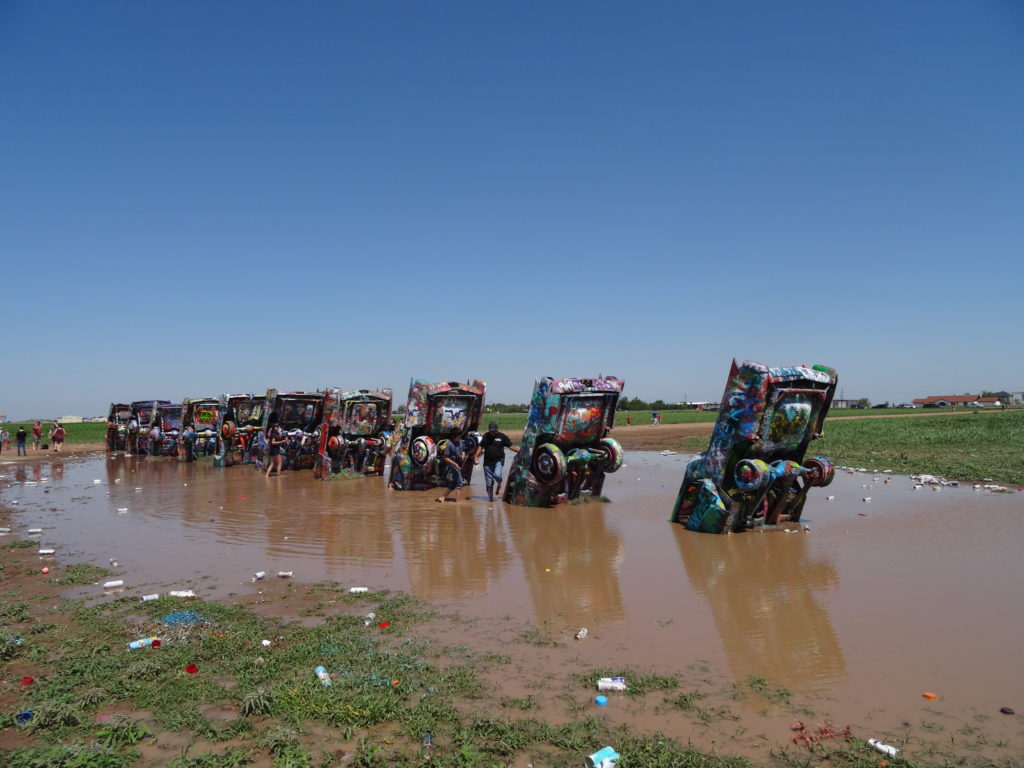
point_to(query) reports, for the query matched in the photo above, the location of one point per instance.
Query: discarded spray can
(611, 684)
(603, 758)
(47, 551)
(35, 530)
(113, 562)
(324, 676)
(581, 633)
(147, 598)
(182, 593)
(286, 574)
(114, 584)
(369, 619)
(885, 749)
(358, 590)
(428, 742)
(144, 642)
(259, 575)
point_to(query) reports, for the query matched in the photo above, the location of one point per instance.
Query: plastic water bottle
(324, 676)
(182, 593)
(885, 749)
(285, 574)
(603, 758)
(147, 598)
(611, 684)
(114, 584)
(358, 590)
(369, 619)
(145, 642)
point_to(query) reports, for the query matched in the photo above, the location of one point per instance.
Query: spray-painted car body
(300, 416)
(240, 427)
(432, 411)
(356, 434)
(754, 472)
(165, 430)
(141, 419)
(200, 428)
(117, 426)
(566, 450)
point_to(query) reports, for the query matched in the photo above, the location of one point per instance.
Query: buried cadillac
(356, 433)
(566, 450)
(141, 420)
(165, 430)
(754, 472)
(432, 412)
(299, 415)
(200, 425)
(240, 427)
(117, 426)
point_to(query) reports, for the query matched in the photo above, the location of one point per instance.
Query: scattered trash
(824, 730)
(369, 619)
(113, 562)
(113, 584)
(192, 669)
(45, 570)
(384, 624)
(883, 748)
(259, 575)
(830, 498)
(122, 510)
(27, 680)
(324, 676)
(182, 618)
(1007, 710)
(867, 499)
(358, 590)
(181, 593)
(929, 695)
(23, 718)
(47, 551)
(603, 758)
(285, 574)
(581, 633)
(35, 530)
(670, 453)
(144, 642)
(265, 643)
(428, 741)
(611, 684)
(147, 598)
(97, 481)
(601, 701)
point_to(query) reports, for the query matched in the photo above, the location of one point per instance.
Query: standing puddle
(915, 591)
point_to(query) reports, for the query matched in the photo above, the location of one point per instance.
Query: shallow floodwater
(916, 590)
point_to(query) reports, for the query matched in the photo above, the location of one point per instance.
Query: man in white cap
(493, 445)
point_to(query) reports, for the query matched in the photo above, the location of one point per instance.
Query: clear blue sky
(203, 197)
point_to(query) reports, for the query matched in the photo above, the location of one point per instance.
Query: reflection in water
(571, 562)
(761, 590)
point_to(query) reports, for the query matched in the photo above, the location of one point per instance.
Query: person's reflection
(20, 474)
(452, 549)
(571, 561)
(761, 588)
(57, 470)
(37, 472)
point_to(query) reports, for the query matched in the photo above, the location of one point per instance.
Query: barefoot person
(37, 435)
(57, 436)
(453, 465)
(275, 441)
(493, 445)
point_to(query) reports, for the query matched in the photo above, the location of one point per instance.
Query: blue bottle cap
(600, 700)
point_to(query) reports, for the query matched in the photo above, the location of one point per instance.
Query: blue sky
(205, 197)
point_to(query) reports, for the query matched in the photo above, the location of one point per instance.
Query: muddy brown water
(878, 602)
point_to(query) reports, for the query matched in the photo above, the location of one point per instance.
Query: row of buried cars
(565, 454)
(753, 472)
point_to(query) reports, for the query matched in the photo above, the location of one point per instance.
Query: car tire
(422, 451)
(614, 453)
(548, 464)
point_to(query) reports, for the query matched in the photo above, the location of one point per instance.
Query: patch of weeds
(80, 573)
(279, 739)
(14, 612)
(122, 732)
(20, 544)
(708, 714)
(68, 756)
(760, 685)
(534, 636)
(637, 684)
(293, 757)
(497, 658)
(685, 701)
(256, 701)
(230, 758)
(513, 703)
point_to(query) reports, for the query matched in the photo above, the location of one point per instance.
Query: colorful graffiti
(200, 428)
(753, 472)
(300, 416)
(357, 432)
(432, 411)
(117, 426)
(566, 451)
(241, 429)
(141, 420)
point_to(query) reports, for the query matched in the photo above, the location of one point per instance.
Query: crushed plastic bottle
(885, 749)
(144, 642)
(182, 593)
(324, 676)
(611, 684)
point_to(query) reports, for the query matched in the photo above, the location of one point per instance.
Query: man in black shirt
(493, 445)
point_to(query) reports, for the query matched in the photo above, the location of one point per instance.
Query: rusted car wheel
(227, 430)
(548, 464)
(614, 452)
(752, 474)
(821, 471)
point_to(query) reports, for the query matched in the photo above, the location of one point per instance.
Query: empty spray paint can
(369, 619)
(144, 642)
(603, 758)
(324, 676)
(611, 684)
(259, 575)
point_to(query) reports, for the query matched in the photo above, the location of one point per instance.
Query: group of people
(56, 435)
(492, 445)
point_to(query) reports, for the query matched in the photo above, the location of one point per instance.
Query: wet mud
(851, 617)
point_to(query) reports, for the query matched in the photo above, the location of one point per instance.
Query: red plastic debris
(155, 644)
(27, 680)
(385, 624)
(191, 669)
(825, 730)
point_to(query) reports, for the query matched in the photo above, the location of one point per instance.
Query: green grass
(86, 432)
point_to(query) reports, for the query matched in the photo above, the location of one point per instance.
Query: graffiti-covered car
(432, 411)
(200, 428)
(118, 417)
(566, 450)
(141, 418)
(300, 416)
(356, 433)
(754, 472)
(165, 430)
(240, 427)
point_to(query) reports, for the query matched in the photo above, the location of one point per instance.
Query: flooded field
(876, 603)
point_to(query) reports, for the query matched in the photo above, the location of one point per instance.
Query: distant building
(945, 401)
(70, 419)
